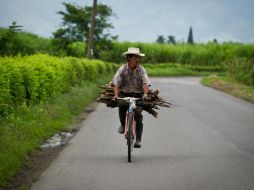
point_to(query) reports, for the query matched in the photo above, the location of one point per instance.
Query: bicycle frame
(130, 130)
(130, 111)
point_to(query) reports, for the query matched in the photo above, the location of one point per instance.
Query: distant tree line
(162, 40)
(171, 39)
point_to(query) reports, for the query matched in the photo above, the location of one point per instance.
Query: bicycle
(130, 126)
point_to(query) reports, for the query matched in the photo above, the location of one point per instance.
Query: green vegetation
(41, 95)
(199, 54)
(31, 79)
(241, 70)
(13, 41)
(199, 59)
(75, 28)
(27, 127)
(230, 86)
(211, 54)
(167, 69)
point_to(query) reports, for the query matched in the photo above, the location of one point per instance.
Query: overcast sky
(144, 20)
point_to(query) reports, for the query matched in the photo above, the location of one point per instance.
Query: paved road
(205, 143)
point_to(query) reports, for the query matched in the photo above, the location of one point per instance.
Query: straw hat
(133, 50)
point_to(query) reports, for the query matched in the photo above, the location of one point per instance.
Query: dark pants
(137, 116)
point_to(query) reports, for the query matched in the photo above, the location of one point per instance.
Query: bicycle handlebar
(128, 99)
(132, 101)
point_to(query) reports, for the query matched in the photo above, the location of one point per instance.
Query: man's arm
(116, 91)
(146, 82)
(145, 88)
(117, 81)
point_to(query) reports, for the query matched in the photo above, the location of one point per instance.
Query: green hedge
(31, 79)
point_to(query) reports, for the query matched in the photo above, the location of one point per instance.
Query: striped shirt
(131, 82)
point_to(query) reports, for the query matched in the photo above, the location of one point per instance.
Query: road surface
(205, 143)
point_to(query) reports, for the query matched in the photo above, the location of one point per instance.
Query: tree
(160, 39)
(76, 24)
(215, 41)
(91, 31)
(171, 40)
(190, 37)
(10, 44)
(14, 27)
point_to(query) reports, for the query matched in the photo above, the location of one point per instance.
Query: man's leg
(139, 128)
(122, 114)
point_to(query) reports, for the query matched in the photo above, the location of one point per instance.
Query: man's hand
(145, 97)
(115, 98)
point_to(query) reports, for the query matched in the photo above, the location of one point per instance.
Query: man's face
(134, 61)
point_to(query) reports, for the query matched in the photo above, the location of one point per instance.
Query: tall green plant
(201, 54)
(242, 70)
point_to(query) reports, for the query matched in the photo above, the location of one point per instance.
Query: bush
(25, 43)
(31, 79)
(77, 49)
(242, 70)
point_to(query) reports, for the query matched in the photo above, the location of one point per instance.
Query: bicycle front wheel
(129, 135)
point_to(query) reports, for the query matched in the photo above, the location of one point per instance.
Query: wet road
(205, 143)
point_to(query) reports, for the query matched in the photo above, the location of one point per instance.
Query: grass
(230, 86)
(213, 77)
(174, 69)
(22, 132)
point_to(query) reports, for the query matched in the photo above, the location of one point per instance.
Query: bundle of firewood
(150, 103)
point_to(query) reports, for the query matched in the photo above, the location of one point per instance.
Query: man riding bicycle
(131, 80)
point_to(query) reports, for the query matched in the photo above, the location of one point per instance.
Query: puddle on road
(57, 140)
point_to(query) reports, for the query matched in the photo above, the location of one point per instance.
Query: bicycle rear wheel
(129, 136)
